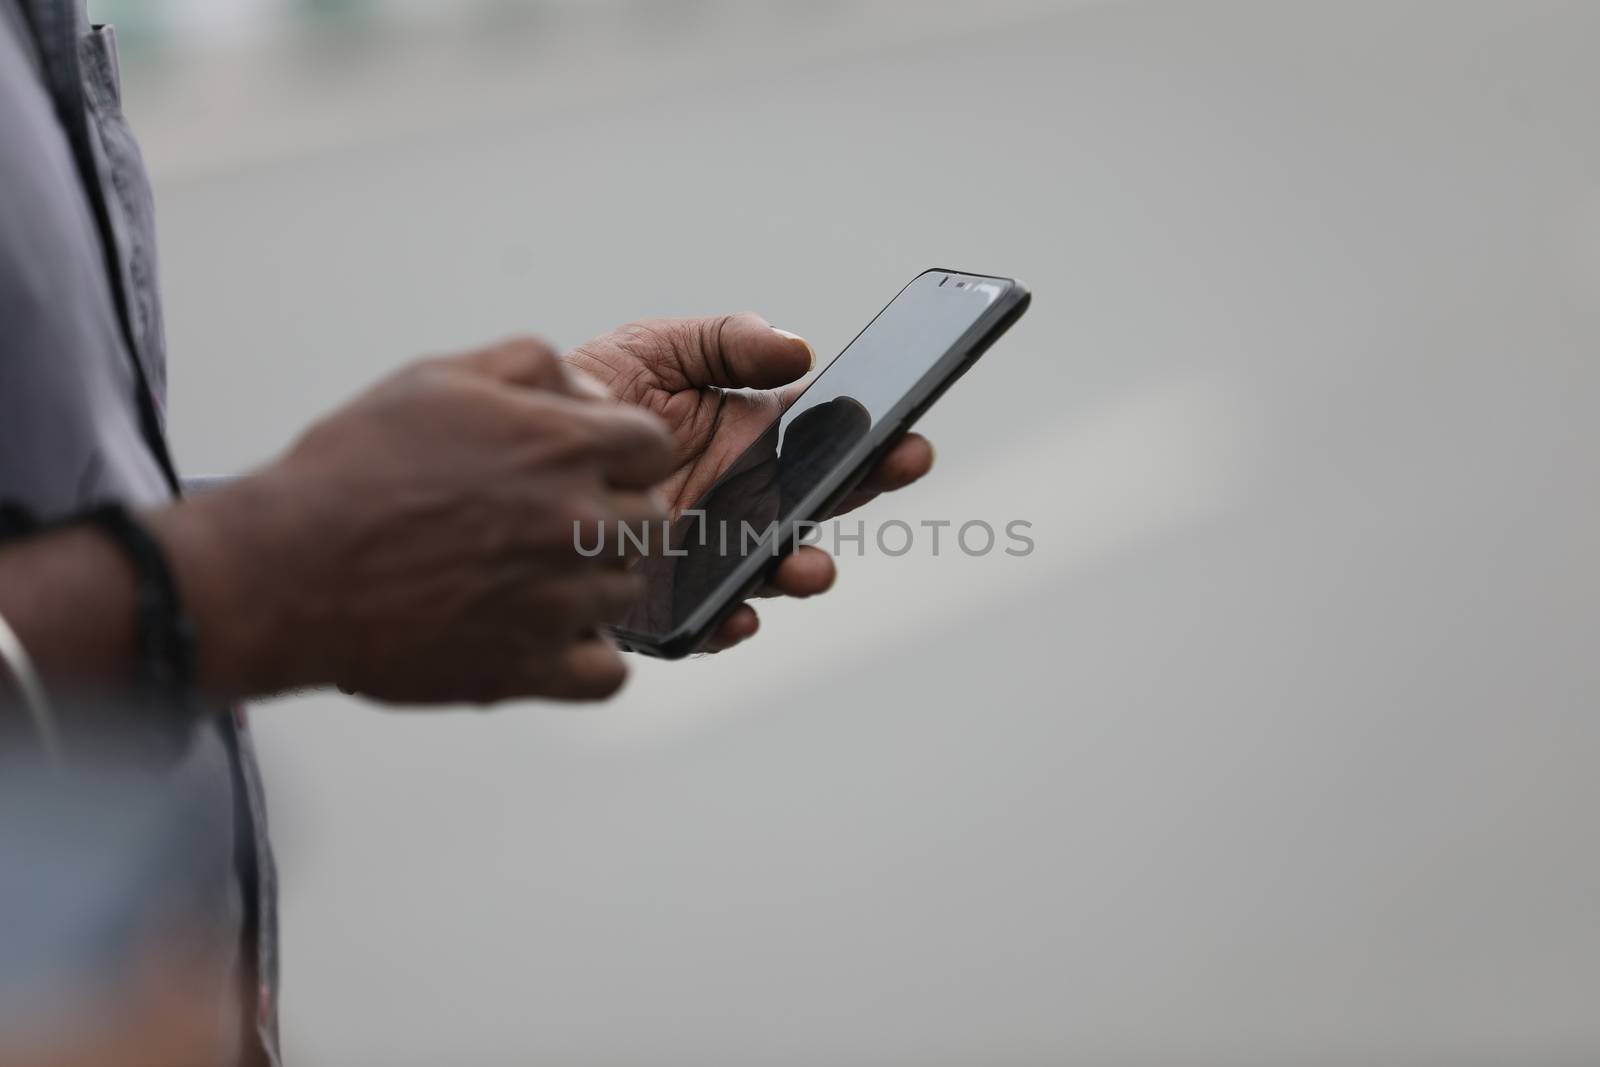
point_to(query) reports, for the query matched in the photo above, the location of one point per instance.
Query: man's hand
(684, 370)
(417, 546)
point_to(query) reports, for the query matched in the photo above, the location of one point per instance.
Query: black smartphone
(798, 470)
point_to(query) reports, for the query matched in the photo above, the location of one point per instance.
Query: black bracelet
(164, 666)
(164, 672)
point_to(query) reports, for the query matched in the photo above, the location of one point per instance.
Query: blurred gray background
(1279, 749)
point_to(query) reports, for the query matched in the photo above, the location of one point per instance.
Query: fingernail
(811, 353)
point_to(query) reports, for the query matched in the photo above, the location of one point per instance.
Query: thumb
(741, 351)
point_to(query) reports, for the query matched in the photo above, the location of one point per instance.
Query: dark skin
(416, 545)
(765, 484)
(686, 371)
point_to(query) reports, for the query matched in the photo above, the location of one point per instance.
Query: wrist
(235, 572)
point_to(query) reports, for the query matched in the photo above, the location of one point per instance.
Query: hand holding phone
(804, 451)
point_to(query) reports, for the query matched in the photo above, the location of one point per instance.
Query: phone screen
(803, 457)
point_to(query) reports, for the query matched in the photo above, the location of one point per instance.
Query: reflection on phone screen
(827, 432)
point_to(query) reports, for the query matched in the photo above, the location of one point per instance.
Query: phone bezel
(985, 330)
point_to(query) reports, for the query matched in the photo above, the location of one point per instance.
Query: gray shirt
(82, 388)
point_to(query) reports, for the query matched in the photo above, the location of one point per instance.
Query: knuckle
(707, 332)
(423, 369)
(534, 350)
